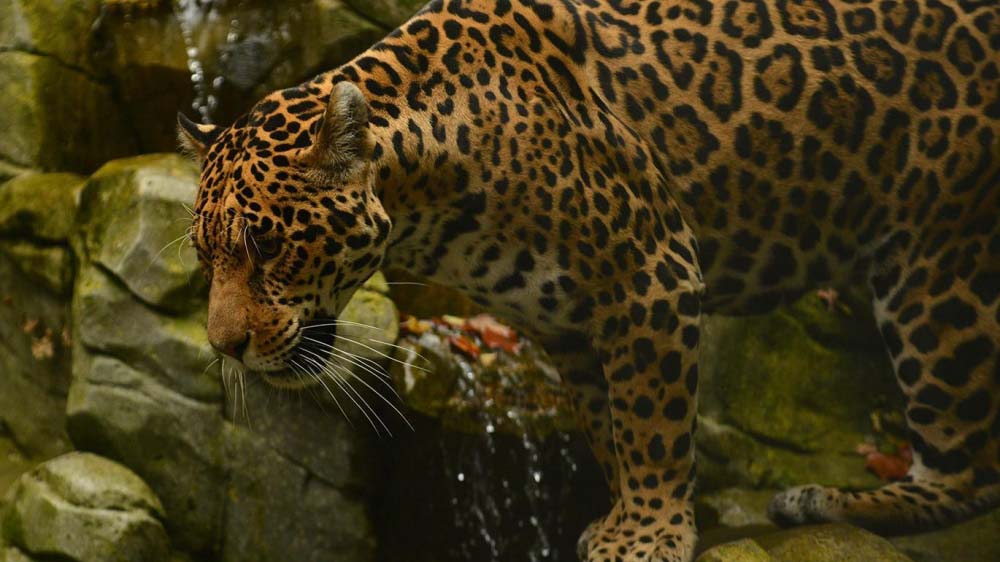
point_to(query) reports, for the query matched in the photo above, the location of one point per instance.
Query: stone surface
(57, 117)
(515, 391)
(388, 13)
(85, 508)
(56, 28)
(34, 345)
(738, 551)
(39, 206)
(241, 51)
(787, 397)
(829, 543)
(976, 540)
(134, 216)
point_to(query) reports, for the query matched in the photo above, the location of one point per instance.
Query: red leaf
(464, 345)
(494, 334)
(890, 467)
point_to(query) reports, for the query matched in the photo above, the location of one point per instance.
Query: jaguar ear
(343, 138)
(195, 138)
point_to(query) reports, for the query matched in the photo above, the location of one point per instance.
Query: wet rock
(39, 206)
(85, 508)
(787, 397)
(516, 391)
(829, 543)
(972, 541)
(57, 117)
(133, 223)
(241, 51)
(738, 551)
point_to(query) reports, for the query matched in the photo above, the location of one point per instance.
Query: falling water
(508, 495)
(191, 15)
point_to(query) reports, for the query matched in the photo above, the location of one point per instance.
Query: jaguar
(602, 173)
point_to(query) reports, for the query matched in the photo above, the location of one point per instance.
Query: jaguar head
(287, 225)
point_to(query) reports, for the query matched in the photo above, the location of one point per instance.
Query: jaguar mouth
(308, 359)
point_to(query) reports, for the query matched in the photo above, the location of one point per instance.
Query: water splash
(506, 485)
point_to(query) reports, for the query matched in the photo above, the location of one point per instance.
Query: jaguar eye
(269, 248)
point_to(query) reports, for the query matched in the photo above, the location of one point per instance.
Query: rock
(85, 508)
(174, 443)
(133, 222)
(371, 325)
(972, 541)
(733, 507)
(511, 393)
(34, 353)
(12, 554)
(240, 52)
(174, 350)
(57, 117)
(13, 463)
(56, 28)
(39, 206)
(787, 397)
(836, 542)
(739, 551)
(278, 510)
(389, 13)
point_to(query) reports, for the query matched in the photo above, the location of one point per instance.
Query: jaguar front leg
(648, 346)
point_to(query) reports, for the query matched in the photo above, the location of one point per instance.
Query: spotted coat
(602, 172)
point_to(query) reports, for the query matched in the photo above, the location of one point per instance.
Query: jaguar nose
(234, 347)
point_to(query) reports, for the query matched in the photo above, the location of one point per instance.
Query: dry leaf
(464, 345)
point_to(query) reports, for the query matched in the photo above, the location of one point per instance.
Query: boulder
(40, 207)
(511, 393)
(134, 217)
(85, 508)
(787, 397)
(57, 117)
(59, 29)
(738, 551)
(34, 345)
(972, 541)
(836, 542)
(215, 60)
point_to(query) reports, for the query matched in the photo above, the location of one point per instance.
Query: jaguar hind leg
(941, 324)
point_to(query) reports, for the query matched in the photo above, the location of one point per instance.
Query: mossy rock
(39, 206)
(738, 551)
(836, 542)
(56, 28)
(85, 508)
(133, 223)
(787, 397)
(56, 117)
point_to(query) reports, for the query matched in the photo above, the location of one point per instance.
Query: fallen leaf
(494, 334)
(29, 325)
(890, 467)
(414, 325)
(487, 359)
(453, 321)
(464, 345)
